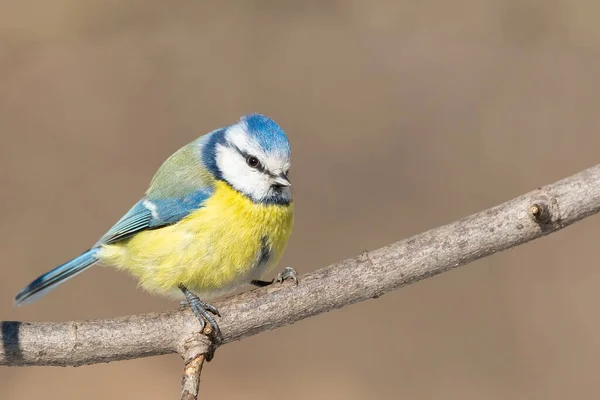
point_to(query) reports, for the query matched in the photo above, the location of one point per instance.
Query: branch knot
(545, 212)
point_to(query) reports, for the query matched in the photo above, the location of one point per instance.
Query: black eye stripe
(247, 156)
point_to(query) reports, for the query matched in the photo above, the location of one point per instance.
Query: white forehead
(238, 136)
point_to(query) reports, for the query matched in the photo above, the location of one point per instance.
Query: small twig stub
(190, 383)
(545, 212)
(540, 212)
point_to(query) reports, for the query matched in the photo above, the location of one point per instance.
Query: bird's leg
(287, 273)
(202, 311)
(261, 283)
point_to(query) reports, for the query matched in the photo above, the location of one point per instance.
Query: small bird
(218, 214)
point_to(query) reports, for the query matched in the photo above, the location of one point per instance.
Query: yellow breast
(229, 241)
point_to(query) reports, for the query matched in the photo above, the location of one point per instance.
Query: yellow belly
(228, 242)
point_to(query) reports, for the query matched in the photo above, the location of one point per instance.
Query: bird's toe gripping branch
(287, 273)
(204, 312)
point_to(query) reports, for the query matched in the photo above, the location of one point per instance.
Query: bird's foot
(204, 312)
(287, 273)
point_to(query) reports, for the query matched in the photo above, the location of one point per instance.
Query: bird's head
(253, 156)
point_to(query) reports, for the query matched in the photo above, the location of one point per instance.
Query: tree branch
(369, 275)
(194, 359)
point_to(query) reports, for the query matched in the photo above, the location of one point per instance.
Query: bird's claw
(287, 273)
(203, 312)
(212, 309)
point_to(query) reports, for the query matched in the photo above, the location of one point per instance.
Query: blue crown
(267, 133)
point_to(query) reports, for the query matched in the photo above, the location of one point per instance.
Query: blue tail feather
(58, 275)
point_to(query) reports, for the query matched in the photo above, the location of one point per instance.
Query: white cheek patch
(241, 176)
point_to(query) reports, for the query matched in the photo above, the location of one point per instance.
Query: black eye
(252, 161)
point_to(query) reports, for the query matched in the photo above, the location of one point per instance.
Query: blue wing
(180, 186)
(154, 213)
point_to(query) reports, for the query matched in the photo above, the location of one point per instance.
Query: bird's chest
(233, 238)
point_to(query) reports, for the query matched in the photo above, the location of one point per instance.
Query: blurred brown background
(403, 115)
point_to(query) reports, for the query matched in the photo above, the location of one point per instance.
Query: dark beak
(281, 180)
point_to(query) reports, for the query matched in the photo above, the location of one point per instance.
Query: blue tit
(218, 214)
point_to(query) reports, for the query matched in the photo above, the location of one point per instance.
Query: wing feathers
(152, 214)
